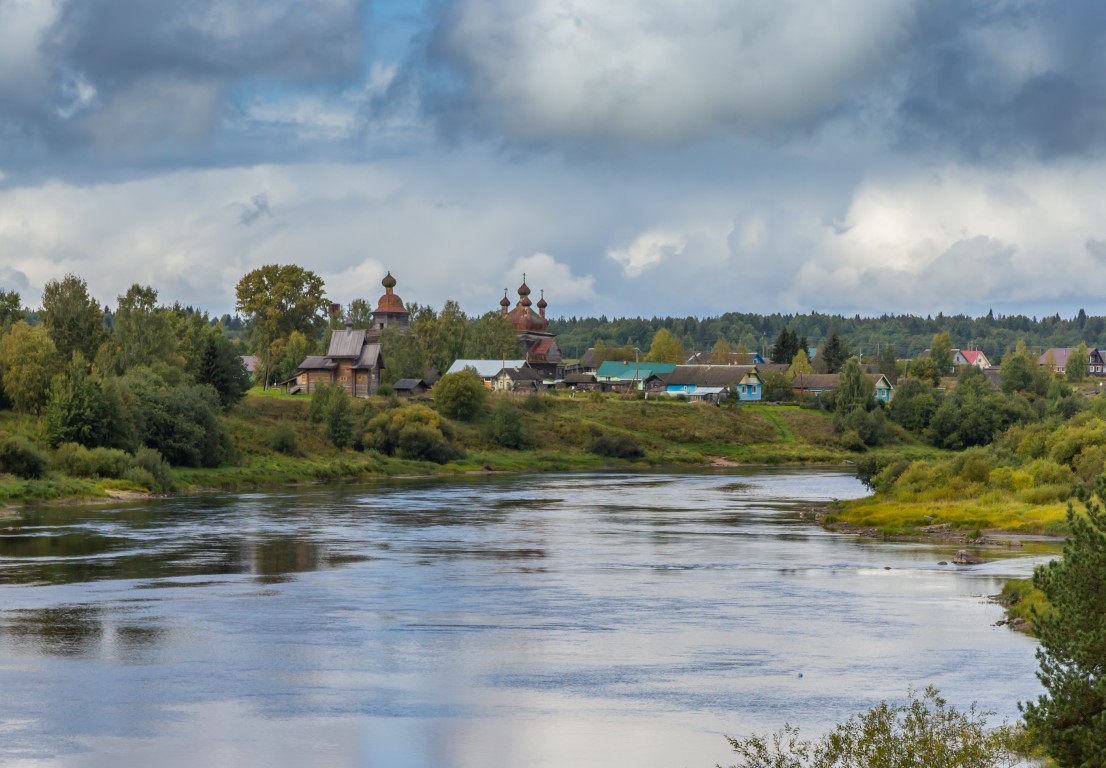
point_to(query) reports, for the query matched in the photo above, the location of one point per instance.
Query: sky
(631, 157)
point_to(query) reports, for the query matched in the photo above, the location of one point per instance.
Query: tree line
(907, 335)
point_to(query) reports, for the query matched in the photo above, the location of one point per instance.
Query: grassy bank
(1022, 482)
(971, 517)
(274, 441)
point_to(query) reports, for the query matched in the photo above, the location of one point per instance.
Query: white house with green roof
(613, 370)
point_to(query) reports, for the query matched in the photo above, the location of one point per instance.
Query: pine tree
(834, 354)
(1070, 718)
(787, 344)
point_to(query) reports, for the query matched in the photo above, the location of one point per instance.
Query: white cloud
(666, 70)
(441, 236)
(323, 117)
(467, 225)
(544, 273)
(957, 237)
(648, 250)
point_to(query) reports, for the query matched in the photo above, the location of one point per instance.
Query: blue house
(691, 379)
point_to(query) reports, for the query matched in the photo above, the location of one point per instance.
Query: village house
(962, 357)
(1056, 360)
(251, 363)
(578, 382)
(587, 364)
(974, 357)
(487, 370)
(519, 380)
(814, 384)
(732, 358)
(410, 387)
(708, 382)
(353, 360)
(629, 373)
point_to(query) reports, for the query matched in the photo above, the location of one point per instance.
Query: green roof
(628, 371)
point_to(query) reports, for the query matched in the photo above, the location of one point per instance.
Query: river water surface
(560, 620)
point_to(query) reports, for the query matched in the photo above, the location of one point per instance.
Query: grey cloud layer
(989, 78)
(766, 155)
(175, 84)
(133, 77)
(978, 77)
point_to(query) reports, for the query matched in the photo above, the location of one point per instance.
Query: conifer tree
(834, 354)
(1070, 718)
(787, 344)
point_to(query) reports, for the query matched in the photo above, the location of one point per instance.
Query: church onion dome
(522, 317)
(504, 302)
(390, 302)
(542, 303)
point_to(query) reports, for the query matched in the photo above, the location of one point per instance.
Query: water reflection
(276, 558)
(563, 620)
(78, 631)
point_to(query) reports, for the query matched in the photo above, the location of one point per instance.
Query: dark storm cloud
(116, 41)
(985, 79)
(975, 79)
(133, 78)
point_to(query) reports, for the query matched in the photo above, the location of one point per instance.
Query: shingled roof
(707, 375)
(346, 343)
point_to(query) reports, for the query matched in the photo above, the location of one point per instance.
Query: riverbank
(273, 441)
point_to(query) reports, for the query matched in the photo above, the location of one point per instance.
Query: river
(556, 620)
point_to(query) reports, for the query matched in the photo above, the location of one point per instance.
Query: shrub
(23, 459)
(617, 447)
(924, 730)
(320, 400)
(154, 463)
(460, 395)
(1048, 493)
(889, 475)
(1090, 463)
(869, 425)
(140, 476)
(537, 403)
(973, 465)
(284, 440)
(338, 418)
(1044, 472)
(505, 426)
(422, 442)
(413, 432)
(868, 467)
(851, 440)
(777, 388)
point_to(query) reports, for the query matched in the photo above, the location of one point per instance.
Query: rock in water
(963, 557)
